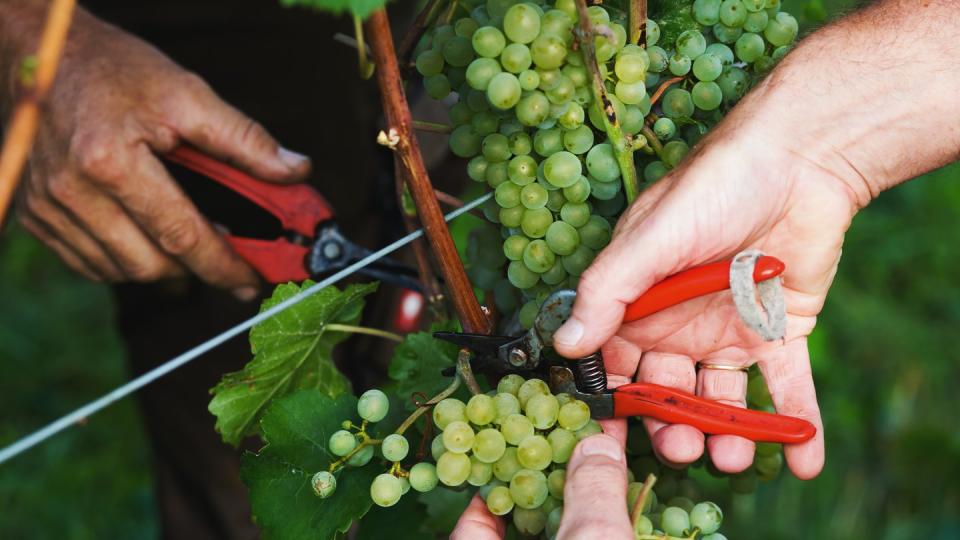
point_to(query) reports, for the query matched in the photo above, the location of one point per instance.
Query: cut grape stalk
(586, 380)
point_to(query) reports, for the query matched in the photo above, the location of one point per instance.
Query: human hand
(594, 497)
(94, 190)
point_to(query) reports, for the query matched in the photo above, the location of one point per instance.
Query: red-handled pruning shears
(586, 378)
(311, 243)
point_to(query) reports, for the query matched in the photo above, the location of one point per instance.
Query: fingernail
(569, 334)
(291, 159)
(602, 445)
(246, 294)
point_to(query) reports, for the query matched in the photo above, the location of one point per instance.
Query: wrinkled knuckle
(179, 237)
(62, 188)
(95, 157)
(143, 271)
(255, 136)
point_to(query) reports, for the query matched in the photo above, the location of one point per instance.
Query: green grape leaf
(417, 364)
(296, 429)
(444, 506)
(292, 350)
(674, 17)
(360, 8)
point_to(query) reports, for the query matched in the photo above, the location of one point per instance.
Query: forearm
(873, 98)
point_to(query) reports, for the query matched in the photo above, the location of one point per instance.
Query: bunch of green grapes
(524, 115)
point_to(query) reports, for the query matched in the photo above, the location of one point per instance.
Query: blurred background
(884, 356)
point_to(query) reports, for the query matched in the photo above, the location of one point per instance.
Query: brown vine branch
(23, 122)
(404, 143)
(638, 19)
(448, 199)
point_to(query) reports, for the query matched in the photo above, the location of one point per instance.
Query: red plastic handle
(689, 284)
(675, 407)
(299, 207)
(278, 261)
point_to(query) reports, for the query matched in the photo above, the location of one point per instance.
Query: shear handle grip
(699, 281)
(299, 207)
(675, 407)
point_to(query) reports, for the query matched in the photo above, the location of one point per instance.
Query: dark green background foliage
(884, 356)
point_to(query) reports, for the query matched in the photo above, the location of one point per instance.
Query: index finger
(154, 200)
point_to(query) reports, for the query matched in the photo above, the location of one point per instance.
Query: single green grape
(496, 148)
(436, 447)
(510, 384)
(680, 64)
(707, 517)
(562, 169)
(677, 103)
(465, 27)
(555, 200)
(659, 59)
(573, 415)
(361, 457)
(674, 521)
(556, 22)
(547, 142)
(733, 83)
(489, 445)
(513, 246)
(477, 169)
(395, 447)
(453, 469)
(504, 90)
(654, 171)
(631, 93)
(592, 428)
(507, 466)
(708, 67)
(642, 526)
(673, 152)
(562, 238)
(520, 276)
(562, 443)
(542, 410)
(521, 23)
(533, 196)
(464, 142)
(528, 488)
(515, 428)
(633, 491)
(522, 170)
(437, 86)
(488, 41)
(578, 192)
(519, 142)
(664, 128)
(480, 473)
(768, 449)
(506, 404)
(781, 30)
(458, 437)
(481, 410)
(447, 411)
(342, 442)
(529, 522)
(538, 257)
(324, 484)
(510, 217)
(481, 71)
(768, 467)
(632, 67)
(429, 63)
(733, 13)
(485, 123)
(749, 47)
(596, 233)
(535, 222)
(577, 262)
(756, 22)
(507, 195)
(458, 51)
(653, 33)
(499, 501)
(691, 43)
(555, 482)
(562, 92)
(706, 12)
(373, 405)
(573, 115)
(423, 477)
(602, 163)
(706, 96)
(579, 140)
(681, 502)
(386, 490)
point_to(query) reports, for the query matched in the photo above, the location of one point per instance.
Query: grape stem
(363, 61)
(622, 146)
(447, 392)
(365, 441)
(432, 127)
(353, 329)
(638, 504)
(465, 372)
(414, 173)
(663, 88)
(22, 129)
(638, 18)
(653, 140)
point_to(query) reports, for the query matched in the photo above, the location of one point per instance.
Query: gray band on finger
(769, 319)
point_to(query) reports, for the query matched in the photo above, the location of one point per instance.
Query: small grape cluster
(526, 117)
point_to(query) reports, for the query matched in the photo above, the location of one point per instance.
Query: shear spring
(591, 375)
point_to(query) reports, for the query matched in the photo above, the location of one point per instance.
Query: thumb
(595, 492)
(644, 249)
(222, 131)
